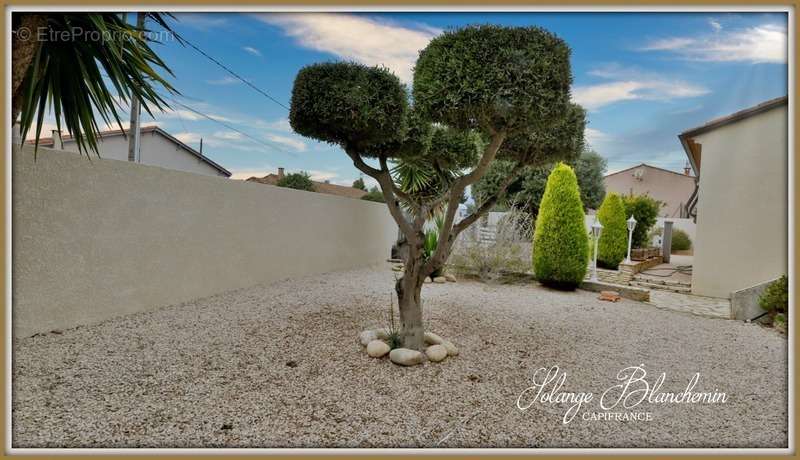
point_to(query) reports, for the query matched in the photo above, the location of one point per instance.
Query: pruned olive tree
(480, 94)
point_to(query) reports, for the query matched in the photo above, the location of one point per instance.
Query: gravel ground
(279, 366)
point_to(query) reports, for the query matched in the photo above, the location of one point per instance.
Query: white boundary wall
(686, 225)
(95, 240)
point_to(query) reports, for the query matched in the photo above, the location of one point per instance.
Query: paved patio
(670, 289)
(678, 269)
(693, 304)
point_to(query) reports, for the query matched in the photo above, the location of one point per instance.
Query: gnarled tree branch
(487, 205)
(384, 179)
(445, 235)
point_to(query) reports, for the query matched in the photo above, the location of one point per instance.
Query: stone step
(662, 287)
(662, 281)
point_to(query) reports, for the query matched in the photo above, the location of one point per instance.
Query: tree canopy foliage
(298, 181)
(481, 94)
(359, 184)
(374, 194)
(526, 192)
(645, 210)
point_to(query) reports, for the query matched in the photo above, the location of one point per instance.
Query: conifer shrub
(680, 240)
(560, 241)
(613, 242)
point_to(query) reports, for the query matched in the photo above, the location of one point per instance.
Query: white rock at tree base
(366, 337)
(433, 339)
(427, 279)
(451, 349)
(382, 334)
(436, 353)
(405, 356)
(449, 277)
(377, 348)
(440, 280)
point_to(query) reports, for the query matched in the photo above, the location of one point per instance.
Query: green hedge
(297, 181)
(775, 298)
(560, 241)
(680, 240)
(645, 210)
(613, 242)
(374, 195)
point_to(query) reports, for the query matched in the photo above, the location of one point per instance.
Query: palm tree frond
(75, 77)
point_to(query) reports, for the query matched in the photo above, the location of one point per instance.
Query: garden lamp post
(631, 226)
(597, 227)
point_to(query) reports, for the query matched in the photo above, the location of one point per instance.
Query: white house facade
(156, 148)
(741, 161)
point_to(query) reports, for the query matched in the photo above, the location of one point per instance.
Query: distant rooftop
(321, 187)
(683, 174)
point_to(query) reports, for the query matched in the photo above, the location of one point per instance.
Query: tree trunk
(409, 299)
(24, 46)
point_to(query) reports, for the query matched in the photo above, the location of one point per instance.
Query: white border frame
(391, 451)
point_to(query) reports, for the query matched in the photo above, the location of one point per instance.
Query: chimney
(280, 173)
(58, 143)
(687, 169)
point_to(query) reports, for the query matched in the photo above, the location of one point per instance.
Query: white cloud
(291, 142)
(594, 137)
(630, 84)
(188, 115)
(228, 135)
(251, 50)
(368, 41)
(766, 43)
(224, 81)
(244, 174)
(188, 137)
(281, 124)
(322, 176)
(595, 96)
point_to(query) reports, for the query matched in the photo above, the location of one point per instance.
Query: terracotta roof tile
(320, 187)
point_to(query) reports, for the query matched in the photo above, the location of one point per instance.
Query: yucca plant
(393, 338)
(94, 73)
(431, 241)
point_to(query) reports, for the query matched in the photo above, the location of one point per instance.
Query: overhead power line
(236, 75)
(254, 139)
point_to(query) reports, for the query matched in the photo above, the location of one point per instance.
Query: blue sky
(644, 77)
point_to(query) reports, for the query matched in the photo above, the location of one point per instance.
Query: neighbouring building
(321, 187)
(741, 161)
(156, 148)
(672, 188)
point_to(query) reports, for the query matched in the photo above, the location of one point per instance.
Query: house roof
(321, 187)
(651, 167)
(692, 149)
(49, 142)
